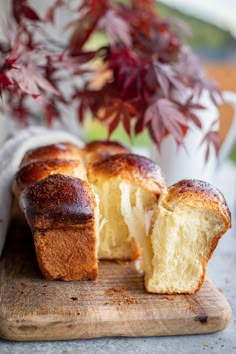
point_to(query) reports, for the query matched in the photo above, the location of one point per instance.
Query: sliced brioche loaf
(116, 178)
(188, 222)
(175, 229)
(61, 212)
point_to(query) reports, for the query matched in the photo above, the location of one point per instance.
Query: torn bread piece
(118, 179)
(187, 223)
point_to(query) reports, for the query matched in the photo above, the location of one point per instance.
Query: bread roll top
(131, 168)
(39, 169)
(53, 151)
(111, 147)
(198, 194)
(58, 201)
(100, 149)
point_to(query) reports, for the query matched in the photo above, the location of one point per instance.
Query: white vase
(178, 163)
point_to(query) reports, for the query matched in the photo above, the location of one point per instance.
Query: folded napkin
(11, 155)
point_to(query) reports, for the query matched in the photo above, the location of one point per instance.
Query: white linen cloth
(11, 155)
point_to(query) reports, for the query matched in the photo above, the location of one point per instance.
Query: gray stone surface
(221, 269)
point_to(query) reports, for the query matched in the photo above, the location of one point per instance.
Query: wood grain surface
(32, 308)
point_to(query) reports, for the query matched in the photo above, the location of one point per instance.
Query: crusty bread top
(198, 194)
(58, 201)
(54, 151)
(132, 168)
(100, 149)
(111, 147)
(39, 169)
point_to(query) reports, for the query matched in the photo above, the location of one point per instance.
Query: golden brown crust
(54, 151)
(67, 254)
(199, 194)
(132, 168)
(39, 169)
(60, 210)
(58, 201)
(100, 149)
(111, 147)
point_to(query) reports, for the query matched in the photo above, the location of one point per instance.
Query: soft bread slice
(61, 212)
(118, 179)
(188, 222)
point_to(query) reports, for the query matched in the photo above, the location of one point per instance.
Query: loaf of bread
(114, 178)
(61, 212)
(66, 248)
(187, 223)
(102, 202)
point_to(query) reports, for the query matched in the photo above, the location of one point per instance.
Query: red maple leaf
(115, 27)
(190, 109)
(145, 61)
(148, 6)
(94, 7)
(163, 117)
(118, 112)
(129, 71)
(85, 25)
(167, 78)
(21, 10)
(211, 138)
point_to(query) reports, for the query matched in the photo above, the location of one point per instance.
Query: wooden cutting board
(32, 308)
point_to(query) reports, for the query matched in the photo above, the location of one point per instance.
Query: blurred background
(213, 38)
